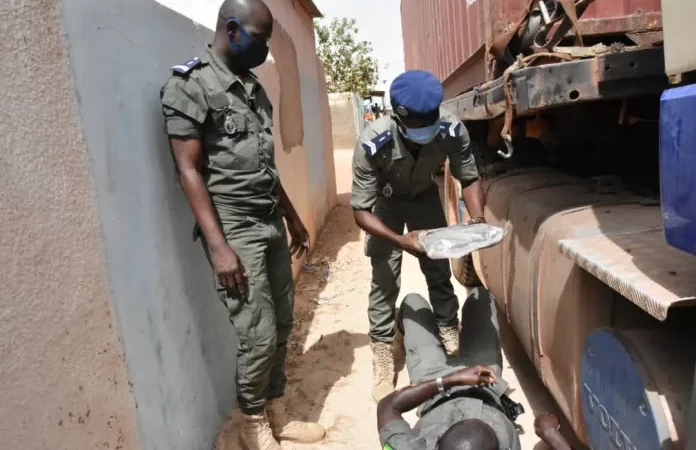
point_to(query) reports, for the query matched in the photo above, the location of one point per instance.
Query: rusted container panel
(442, 36)
(439, 35)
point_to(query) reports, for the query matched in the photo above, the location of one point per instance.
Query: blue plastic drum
(678, 166)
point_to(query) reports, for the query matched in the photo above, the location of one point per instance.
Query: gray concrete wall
(178, 343)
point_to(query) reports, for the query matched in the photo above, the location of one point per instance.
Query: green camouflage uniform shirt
(233, 118)
(381, 159)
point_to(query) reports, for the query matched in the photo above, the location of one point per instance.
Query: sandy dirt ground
(329, 362)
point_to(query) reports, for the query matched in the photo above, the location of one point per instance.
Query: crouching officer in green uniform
(219, 121)
(393, 167)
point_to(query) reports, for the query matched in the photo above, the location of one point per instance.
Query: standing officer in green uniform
(393, 167)
(219, 121)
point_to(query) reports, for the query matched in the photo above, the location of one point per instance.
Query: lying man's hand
(474, 376)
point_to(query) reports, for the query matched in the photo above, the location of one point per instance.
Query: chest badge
(230, 127)
(387, 190)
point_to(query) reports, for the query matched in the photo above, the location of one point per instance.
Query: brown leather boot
(256, 433)
(286, 429)
(382, 370)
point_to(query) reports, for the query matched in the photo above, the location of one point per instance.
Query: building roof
(375, 94)
(311, 8)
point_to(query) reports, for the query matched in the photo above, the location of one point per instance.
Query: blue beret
(417, 91)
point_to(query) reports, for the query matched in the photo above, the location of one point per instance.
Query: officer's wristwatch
(475, 221)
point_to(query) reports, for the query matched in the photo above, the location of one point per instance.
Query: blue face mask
(423, 135)
(249, 52)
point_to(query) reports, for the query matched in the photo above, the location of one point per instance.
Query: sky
(379, 21)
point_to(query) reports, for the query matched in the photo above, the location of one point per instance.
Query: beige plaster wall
(327, 128)
(63, 381)
(306, 169)
(345, 116)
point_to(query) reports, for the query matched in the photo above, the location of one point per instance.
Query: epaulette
(185, 68)
(453, 129)
(373, 145)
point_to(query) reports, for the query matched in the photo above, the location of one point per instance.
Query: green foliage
(348, 63)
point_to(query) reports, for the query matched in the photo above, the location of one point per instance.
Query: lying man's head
(469, 434)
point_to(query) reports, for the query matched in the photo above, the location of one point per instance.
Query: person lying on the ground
(462, 402)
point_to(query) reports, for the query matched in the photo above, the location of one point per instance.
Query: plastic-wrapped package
(459, 240)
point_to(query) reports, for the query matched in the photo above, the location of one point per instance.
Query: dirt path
(329, 361)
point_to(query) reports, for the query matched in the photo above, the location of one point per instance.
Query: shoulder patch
(372, 146)
(186, 67)
(453, 129)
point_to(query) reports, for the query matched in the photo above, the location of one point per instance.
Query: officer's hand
(229, 269)
(409, 242)
(475, 376)
(299, 238)
(475, 221)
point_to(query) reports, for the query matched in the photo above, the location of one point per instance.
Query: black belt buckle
(511, 409)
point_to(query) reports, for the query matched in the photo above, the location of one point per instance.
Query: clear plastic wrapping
(459, 240)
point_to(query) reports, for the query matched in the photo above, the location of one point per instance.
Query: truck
(581, 115)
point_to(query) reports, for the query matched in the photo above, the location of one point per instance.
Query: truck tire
(489, 165)
(462, 268)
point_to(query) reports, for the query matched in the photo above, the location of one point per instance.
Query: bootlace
(449, 333)
(266, 435)
(384, 360)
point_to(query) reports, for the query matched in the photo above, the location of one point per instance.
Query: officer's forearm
(473, 198)
(286, 204)
(375, 227)
(198, 197)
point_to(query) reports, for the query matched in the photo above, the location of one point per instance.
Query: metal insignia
(402, 111)
(387, 191)
(230, 127)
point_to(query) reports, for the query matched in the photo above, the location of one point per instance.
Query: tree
(348, 63)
